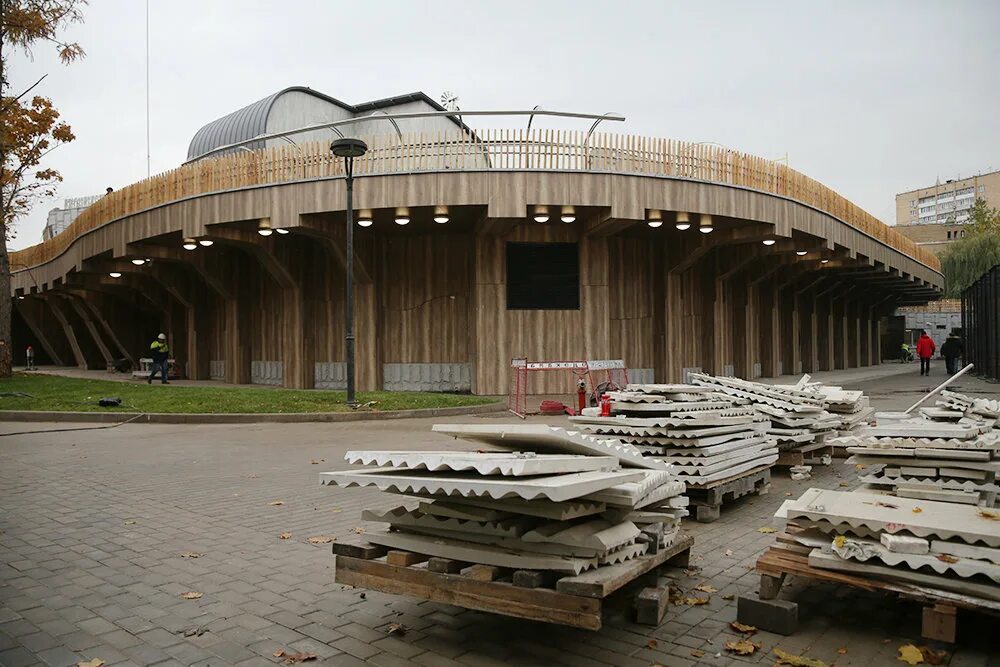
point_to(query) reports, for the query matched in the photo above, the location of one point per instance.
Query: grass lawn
(54, 393)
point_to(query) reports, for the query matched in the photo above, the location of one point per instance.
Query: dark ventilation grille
(543, 276)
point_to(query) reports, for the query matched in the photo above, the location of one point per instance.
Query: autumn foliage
(29, 128)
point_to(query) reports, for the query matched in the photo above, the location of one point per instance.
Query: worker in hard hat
(159, 351)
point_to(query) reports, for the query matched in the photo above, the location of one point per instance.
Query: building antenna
(147, 92)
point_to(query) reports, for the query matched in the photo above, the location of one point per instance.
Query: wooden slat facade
(426, 293)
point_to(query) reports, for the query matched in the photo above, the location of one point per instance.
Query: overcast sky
(870, 98)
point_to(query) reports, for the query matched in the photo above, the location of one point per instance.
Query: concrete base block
(939, 623)
(707, 513)
(651, 605)
(780, 616)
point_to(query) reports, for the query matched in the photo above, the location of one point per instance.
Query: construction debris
(937, 545)
(563, 512)
(949, 453)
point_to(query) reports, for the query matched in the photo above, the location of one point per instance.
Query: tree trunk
(6, 349)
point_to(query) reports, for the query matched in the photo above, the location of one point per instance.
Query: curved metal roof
(251, 120)
(245, 123)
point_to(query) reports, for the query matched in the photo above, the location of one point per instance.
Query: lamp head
(348, 147)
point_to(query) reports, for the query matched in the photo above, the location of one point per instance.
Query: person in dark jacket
(925, 350)
(160, 352)
(952, 350)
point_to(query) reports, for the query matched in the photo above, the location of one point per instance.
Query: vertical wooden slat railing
(497, 149)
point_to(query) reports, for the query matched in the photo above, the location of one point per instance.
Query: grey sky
(870, 98)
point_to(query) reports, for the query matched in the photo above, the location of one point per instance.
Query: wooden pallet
(707, 499)
(939, 616)
(798, 455)
(576, 601)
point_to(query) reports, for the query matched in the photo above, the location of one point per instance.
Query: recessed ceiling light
(115, 274)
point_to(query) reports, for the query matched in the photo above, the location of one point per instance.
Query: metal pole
(349, 297)
(940, 387)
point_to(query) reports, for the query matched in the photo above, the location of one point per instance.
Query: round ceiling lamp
(705, 225)
(683, 221)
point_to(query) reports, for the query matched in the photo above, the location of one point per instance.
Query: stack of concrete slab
(800, 422)
(701, 434)
(970, 406)
(551, 512)
(934, 545)
(926, 458)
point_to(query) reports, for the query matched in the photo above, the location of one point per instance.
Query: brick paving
(94, 525)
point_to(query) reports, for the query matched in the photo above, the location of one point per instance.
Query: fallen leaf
(879, 503)
(945, 558)
(917, 510)
(359, 530)
(845, 483)
(691, 571)
(739, 627)
(910, 654)
(932, 657)
(191, 554)
(321, 539)
(253, 476)
(839, 541)
(191, 595)
(129, 523)
(314, 462)
(729, 597)
(988, 514)
(295, 658)
(785, 658)
(858, 466)
(742, 647)
(396, 629)
(788, 493)
(842, 650)
(277, 502)
(693, 600)
(96, 662)
(279, 653)
(651, 643)
(336, 510)
(705, 588)
(729, 552)
(766, 529)
(193, 631)
(695, 653)
(284, 536)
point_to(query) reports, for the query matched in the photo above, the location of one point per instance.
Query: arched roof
(246, 123)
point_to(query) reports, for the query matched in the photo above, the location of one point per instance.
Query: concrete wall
(917, 320)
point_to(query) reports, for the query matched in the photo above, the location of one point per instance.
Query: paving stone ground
(94, 525)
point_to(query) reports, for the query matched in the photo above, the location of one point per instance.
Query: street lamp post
(349, 149)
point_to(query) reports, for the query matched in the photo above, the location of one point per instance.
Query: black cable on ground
(79, 428)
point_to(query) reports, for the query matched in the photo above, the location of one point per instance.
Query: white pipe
(940, 387)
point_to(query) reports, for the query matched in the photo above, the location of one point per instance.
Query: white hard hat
(162, 336)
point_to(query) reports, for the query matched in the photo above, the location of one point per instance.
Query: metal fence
(981, 324)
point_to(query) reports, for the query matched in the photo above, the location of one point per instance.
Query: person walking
(925, 350)
(952, 350)
(160, 352)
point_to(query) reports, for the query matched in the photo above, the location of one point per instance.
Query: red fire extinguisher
(605, 405)
(581, 396)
